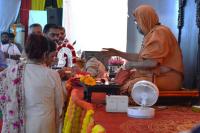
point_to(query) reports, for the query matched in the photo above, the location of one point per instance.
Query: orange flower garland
(88, 80)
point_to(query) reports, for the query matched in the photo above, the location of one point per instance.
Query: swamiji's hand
(129, 65)
(110, 52)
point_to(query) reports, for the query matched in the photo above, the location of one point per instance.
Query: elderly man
(35, 29)
(160, 57)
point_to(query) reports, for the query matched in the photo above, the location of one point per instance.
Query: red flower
(16, 81)
(16, 124)
(74, 60)
(70, 46)
(11, 112)
(3, 97)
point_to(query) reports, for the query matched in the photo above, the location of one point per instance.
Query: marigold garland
(87, 120)
(98, 129)
(69, 117)
(88, 80)
(76, 120)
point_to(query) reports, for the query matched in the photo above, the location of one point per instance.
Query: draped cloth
(160, 45)
(59, 3)
(9, 10)
(67, 19)
(12, 99)
(38, 4)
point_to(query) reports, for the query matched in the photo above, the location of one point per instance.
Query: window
(35, 17)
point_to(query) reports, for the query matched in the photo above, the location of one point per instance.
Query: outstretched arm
(145, 64)
(129, 56)
(114, 52)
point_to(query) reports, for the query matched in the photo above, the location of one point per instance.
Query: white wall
(96, 24)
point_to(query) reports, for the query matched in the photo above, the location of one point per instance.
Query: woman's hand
(61, 73)
(65, 73)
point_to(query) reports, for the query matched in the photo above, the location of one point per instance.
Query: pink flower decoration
(16, 81)
(116, 61)
(3, 97)
(16, 125)
(21, 121)
(11, 112)
(13, 70)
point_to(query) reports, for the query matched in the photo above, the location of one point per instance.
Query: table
(180, 97)
(110, 89)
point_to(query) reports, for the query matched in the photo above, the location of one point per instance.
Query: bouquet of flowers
(80, 79)
(116, 61)
(114, 64)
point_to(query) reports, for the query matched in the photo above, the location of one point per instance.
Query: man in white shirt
(10, 50)
(3, 64)
(4, 38)
(12, 40)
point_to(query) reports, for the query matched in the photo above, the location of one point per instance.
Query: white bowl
(141, 112)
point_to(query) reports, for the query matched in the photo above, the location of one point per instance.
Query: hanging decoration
(38, 4)
(9, 10)
(180, 18)
(59, 3)
(198, 51)
(24, 14)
